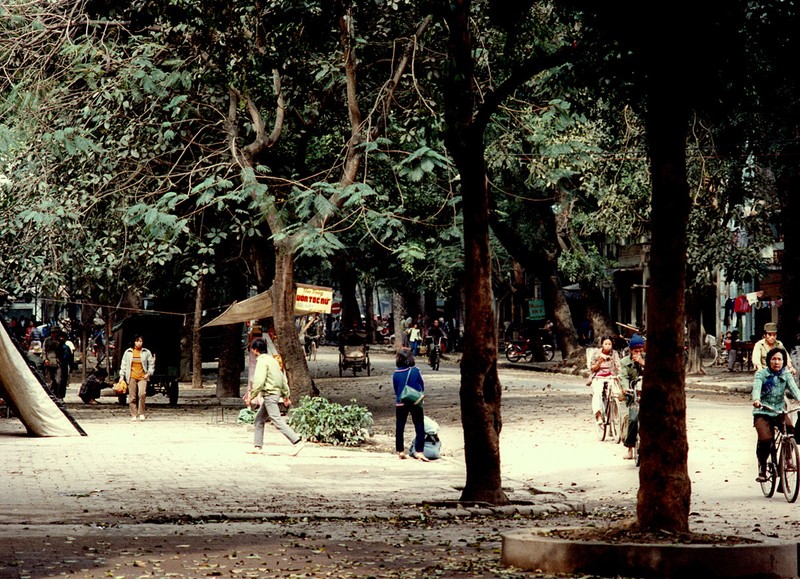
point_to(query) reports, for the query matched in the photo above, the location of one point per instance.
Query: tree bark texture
(288, 341)
(197, 349)
(348, 283)
(480, 391)
(398, 315)
(694, 308)
(665, 488)
(597, 314)
(231, 362)
(788, 183)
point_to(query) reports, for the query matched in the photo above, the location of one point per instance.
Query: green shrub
(323, 421)
(246, 416)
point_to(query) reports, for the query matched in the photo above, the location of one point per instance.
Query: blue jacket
(774, 397)
(414, 377)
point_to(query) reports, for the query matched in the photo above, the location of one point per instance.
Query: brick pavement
(185, 464)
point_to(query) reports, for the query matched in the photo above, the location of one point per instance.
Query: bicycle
(709, 355)
(609, 418)
(782, 462)
(519, 349)
(522, 349)
(310, 346)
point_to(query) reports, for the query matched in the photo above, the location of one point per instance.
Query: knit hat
(637, 341)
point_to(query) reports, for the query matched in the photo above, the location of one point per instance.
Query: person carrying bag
(409, 389)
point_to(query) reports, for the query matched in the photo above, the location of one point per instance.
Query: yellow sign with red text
(310, 298)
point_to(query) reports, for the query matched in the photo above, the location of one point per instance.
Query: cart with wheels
(355, 358)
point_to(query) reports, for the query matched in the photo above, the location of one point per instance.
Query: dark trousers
(418, 418)
(764, 426)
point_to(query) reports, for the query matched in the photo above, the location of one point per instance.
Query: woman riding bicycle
(769, 388)
(604, 367)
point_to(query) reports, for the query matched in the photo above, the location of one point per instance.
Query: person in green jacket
(269, 383)
(769, 387)
(631, 369)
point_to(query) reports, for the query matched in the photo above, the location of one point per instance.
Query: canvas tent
(39, 411)
(309, 299)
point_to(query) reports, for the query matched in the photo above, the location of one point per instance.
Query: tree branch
(391, 85)
(519, 76)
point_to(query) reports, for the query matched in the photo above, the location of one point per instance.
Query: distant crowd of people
(50, 350)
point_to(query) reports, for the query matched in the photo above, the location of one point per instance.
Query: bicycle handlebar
(768, 407)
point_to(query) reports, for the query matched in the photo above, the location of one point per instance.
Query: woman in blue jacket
(407, 374)
(769, 386)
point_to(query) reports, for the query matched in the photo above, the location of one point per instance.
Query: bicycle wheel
(612, 419)
(710, 354)
(600, 428)
(788, 468)
(602, 424)
(768, 486)
(549, 352)
(513, 353)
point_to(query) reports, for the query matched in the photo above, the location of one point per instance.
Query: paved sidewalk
(185, 464)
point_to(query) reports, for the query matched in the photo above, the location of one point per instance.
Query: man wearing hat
(631, 367)
(764, 345)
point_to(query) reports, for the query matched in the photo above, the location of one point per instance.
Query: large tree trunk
(197, 349)
(348, 283)
(231, 362)
(464, 129)
(231, 353)
(596, 313)
(665, 488)
(480, 385)
(398, 315)
(289, 346)
(694, 308)
(566, 336)
(788, 184)
(369, 311)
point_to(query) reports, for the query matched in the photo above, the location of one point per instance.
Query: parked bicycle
(709, 353)
(522, 349)
(782, 462)
(608, 425)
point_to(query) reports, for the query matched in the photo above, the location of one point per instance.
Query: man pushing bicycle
(631, 370)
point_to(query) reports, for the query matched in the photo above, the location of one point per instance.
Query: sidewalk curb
(412, 512)
(735, 384)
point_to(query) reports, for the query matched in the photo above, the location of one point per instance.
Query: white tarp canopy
(309, 299)
(36, 409)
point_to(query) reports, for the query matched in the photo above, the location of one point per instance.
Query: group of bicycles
(783, 462)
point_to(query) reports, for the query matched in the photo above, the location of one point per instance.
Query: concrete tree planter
(532, 549)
